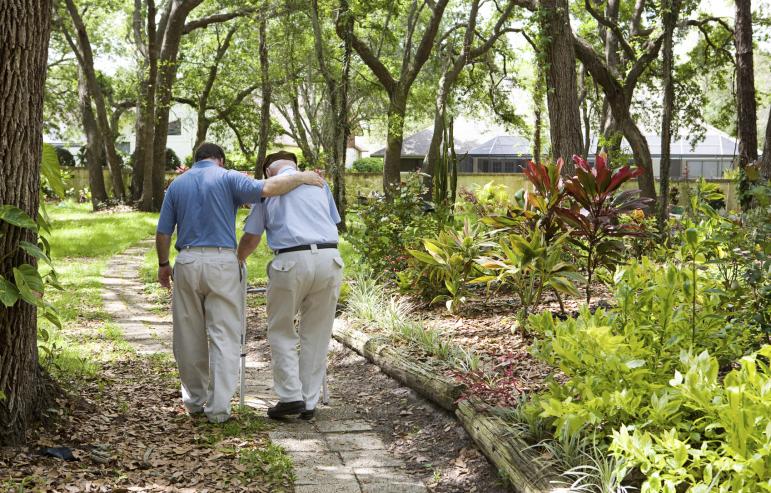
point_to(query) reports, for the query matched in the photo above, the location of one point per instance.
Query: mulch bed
(489, 327)
(128, 431)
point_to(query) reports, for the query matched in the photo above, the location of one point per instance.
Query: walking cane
(243, 342)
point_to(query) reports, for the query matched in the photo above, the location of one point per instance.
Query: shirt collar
(287, 170)
(204, 163)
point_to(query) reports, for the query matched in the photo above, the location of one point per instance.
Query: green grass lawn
(81, 244)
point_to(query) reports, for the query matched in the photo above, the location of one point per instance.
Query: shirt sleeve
(168, 218)
(255, 221)
(332, 207)
(245, 190)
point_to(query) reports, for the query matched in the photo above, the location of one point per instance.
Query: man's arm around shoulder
(279, 185)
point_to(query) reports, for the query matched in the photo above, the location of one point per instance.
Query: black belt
(306, 247)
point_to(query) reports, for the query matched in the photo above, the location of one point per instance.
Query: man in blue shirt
(305, 277)
(207, 300)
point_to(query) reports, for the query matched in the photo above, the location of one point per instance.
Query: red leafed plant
(597, 203)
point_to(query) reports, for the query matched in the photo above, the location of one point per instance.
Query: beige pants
(208, 310)
(308, 283)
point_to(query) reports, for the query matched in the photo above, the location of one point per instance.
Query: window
(175, 127)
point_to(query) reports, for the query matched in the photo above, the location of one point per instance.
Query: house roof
(502, 145)
(467, 135)
(714, 143)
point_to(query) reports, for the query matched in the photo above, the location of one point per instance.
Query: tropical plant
(481, 201)
(536, 208)
(527, 265)
(726, 443)
(594, 213)
(447, 264)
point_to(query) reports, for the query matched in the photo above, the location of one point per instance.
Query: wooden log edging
(509, 454)
(419, 377)
(490, 433)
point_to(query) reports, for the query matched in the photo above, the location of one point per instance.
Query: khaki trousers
(208, 310)
(305, 282)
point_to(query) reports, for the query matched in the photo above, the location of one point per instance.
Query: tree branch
(642, 63)
(381, 72)
(628, 50)
(426, 42)
(215, 18)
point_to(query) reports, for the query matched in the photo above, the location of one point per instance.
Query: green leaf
(53, 317)
(13, 215)
(35, 251)
(51, 171)
(8, 292)
(423, 257)
(563, 285)
(29, 283)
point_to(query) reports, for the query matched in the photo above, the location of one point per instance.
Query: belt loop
(314, 248)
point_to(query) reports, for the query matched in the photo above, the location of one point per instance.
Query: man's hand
(312, 178)
(165, 276)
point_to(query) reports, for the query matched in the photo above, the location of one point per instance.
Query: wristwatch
(163, 264)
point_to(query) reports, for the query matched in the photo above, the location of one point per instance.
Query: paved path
(337, 452)
(124, 299)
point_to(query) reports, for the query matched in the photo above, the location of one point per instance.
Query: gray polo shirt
(304, 216)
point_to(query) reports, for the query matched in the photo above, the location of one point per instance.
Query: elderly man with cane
(304, 277)
(207, 300)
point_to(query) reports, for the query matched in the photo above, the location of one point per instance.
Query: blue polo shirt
(304, 216)
(202, 204)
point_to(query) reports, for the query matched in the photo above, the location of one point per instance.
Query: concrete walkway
(336, 452)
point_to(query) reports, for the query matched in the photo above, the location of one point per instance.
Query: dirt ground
(127, 431)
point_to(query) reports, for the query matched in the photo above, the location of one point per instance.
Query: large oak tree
(24, 32)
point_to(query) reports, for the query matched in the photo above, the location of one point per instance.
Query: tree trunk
(671, 11)
(266, 89)
(393, 154)
(24, 32)
(145, 135)
(94, 146)
(561, 97)
(765, 162)
(747, 129)
(342, 125)
(86, 61)
(616, 96)
(172, 33)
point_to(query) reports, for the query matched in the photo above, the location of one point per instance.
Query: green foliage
(28, 284)
(445, 265)
(369, 302)
(384, 230)
(724, 445)
(172, 160)
(489, 199)
(527, 265)
(617, 362)
(368, 165)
